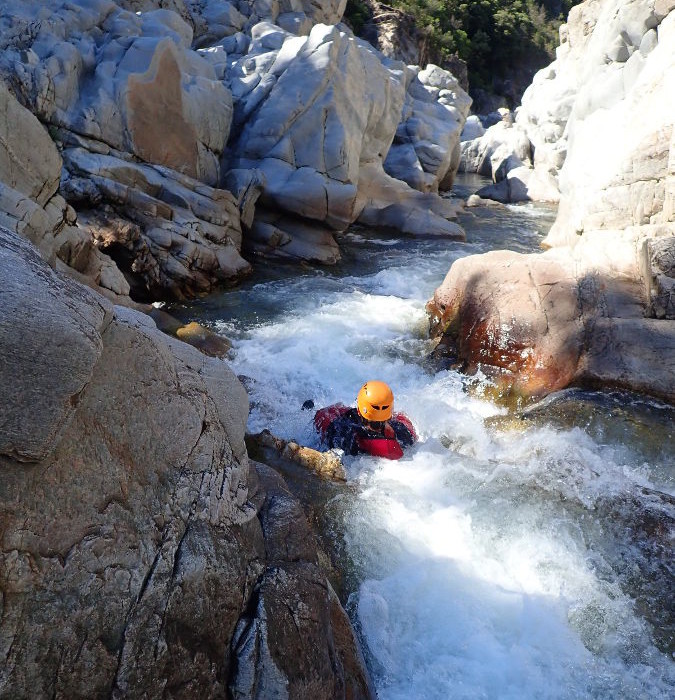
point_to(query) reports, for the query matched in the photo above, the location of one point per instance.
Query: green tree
(496, 38)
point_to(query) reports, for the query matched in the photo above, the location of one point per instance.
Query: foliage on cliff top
(494, 37)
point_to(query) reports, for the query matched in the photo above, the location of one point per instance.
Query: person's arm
(403, 434)
(341, 434)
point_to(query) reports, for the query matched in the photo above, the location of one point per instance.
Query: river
(508, 554)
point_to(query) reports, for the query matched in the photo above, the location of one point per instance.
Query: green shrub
(494, 37)
(357, 14)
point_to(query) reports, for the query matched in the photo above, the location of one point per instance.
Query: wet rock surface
(326, 465)
(537, 323)
(295, 641)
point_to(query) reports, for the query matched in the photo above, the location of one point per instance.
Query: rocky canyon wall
(144, 146)
(141, 553)
(598, 307)
(190, 132)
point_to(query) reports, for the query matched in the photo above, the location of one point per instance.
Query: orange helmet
(375, 401)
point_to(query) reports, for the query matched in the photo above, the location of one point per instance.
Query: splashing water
(502, 557)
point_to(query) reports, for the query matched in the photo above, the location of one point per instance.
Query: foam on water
(483, 586)
(488, 589)
(476, 573)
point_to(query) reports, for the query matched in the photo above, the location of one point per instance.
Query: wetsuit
(351, 434)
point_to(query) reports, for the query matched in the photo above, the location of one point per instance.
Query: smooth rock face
(135, 541)
(495, 316)
(29, 161)
(40, 403)
(503, 147)
(523, 184)
(199, 90)
(425, 152)
(631, 104)
(473, 129)
(129, 81)
(117, 88)
(535, 324)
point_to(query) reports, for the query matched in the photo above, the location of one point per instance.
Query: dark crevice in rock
(150, 572)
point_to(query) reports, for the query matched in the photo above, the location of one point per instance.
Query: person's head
(375, 402)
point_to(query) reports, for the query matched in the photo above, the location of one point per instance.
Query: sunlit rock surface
(534, 324)
(30, 172)
(611, 268)
(612, 60)
(317, 115)
(139, 551)
(488, 153)
(192, 91)
(621, 126)
(121, 90)
(426, 150)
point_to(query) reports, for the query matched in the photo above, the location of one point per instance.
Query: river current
(509, 554)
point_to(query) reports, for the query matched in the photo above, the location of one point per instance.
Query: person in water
(370, 428)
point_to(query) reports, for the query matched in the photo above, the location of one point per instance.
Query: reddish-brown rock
(534, 324)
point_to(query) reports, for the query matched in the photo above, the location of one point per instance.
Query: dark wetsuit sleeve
(403, 434)
(343, 433)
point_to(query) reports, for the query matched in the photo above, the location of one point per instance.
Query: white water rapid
(504, 556)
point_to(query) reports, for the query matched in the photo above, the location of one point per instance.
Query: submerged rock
(203, 339)
(327, 465)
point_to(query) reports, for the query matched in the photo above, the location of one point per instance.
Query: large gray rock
(620, 128)
(136, 541)
(503, 147)
(179, 236)
(30, 172)
(318, 115)
(196, 90)
(29, 161)
(127, 80)
(523, 184)
(426, 150)
(120, 90)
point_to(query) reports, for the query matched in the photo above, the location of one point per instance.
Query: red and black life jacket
(341, 426)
